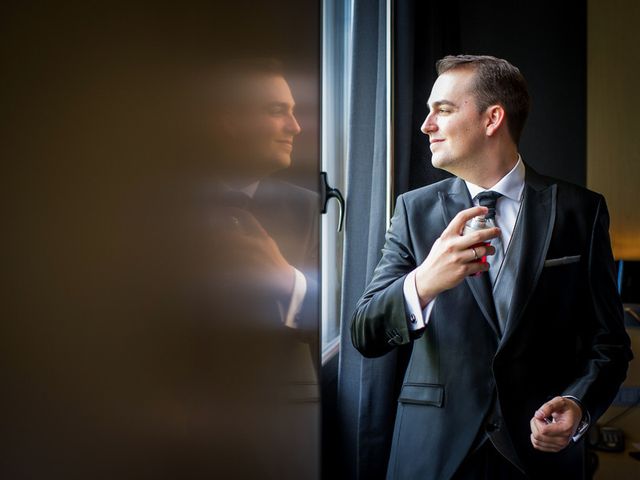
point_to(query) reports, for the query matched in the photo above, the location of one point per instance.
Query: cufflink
(583, 426)
(395, 340)
(585, 422)
(412, 318)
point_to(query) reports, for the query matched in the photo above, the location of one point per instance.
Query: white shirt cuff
(418, 317)
(297, 297)
(585, 422)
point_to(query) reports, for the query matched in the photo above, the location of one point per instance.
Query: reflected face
(455, 128)
(263, 127)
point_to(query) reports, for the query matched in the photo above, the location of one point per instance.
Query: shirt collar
(510, 186)
(248, 190)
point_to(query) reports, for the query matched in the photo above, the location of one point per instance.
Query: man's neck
(486, 176)
(236, 175)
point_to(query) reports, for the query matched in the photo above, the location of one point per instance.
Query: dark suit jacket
(289, 214)
(564, 334)
(260, 367)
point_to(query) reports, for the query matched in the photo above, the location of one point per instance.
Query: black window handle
(327, 192)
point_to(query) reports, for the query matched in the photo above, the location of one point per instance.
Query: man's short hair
(230, 76)
(250, 66)
(496, 82)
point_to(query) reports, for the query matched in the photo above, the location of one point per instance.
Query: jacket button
(493, 426)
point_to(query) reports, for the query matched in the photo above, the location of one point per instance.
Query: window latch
(326, 193)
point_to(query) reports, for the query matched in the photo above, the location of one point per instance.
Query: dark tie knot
(488, 199)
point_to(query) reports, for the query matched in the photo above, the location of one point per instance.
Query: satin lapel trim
(539, 217)
(453, 202)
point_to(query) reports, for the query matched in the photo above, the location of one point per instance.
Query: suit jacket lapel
(527, 259)
(452, 202)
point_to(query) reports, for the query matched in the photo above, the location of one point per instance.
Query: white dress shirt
(511, 187)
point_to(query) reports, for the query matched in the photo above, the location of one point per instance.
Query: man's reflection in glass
(275, 220)
(273, 223)
(265, 254)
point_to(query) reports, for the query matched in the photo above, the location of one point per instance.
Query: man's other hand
(554, 424)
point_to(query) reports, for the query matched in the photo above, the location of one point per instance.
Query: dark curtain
(363, 400)
(422, 36)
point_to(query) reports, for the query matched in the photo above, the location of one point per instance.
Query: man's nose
(293, 127)
(429, 125)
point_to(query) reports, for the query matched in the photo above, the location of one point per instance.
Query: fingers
(455, 227)
(478, 237)
(480, 251)
(554, 436)
(546, 446)
(549, 430)
(548, 437)
(474, 268)
(556, 405)
(566, 415)
(458, 222)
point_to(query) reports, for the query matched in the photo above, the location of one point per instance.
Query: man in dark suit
(269, 226)
(515, 331)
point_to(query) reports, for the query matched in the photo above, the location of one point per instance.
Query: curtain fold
(364, 400)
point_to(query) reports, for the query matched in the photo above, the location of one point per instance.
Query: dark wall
(546, 40)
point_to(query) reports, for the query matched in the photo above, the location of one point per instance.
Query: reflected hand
(452, 256)
(261, 252)
(565, 416)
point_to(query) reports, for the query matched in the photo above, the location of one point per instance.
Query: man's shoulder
(428, 193)
(568, 192)
(277, 190)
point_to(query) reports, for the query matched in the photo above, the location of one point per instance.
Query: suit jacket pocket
(554, 262)
(422, 394)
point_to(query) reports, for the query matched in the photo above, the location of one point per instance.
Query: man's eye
(444, 110)
(278, 110)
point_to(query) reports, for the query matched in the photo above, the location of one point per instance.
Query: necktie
(489, 199)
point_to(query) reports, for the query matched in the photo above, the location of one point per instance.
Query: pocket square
(554, 262)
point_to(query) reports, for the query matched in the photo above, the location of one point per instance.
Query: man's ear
(495, 118)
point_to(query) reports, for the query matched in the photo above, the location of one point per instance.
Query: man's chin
(276, 163)
(447, 164)
(438, 161)
(282, 161)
